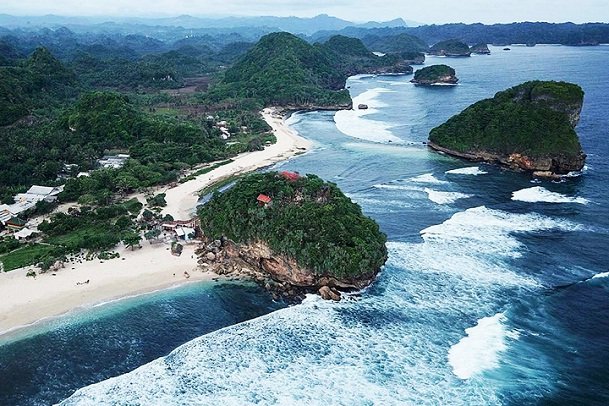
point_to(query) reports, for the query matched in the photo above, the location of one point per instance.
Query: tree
(131, 239)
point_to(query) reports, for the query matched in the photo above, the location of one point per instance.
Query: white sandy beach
(26, 300)
(182, 199)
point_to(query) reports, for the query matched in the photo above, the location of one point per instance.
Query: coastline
(27, 300)
(182, 199)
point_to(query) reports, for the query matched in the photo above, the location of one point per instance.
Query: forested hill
(37, 81)
(283, 69)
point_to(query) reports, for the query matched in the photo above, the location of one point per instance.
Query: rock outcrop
(277, 273)
(529, 127)
(293, 234)
(480, 49)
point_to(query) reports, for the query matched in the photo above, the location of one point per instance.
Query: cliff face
(529, 127)
(480, 49)
(278, 273)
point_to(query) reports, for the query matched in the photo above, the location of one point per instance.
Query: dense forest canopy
(308, 219)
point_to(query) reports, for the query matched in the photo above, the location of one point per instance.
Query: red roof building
(263, 199)
(290, 176)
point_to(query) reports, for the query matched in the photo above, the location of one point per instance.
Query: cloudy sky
(426, 11)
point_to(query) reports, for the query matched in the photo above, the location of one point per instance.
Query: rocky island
(435, 75)
(451, 47)
(527, 127)
(292, 234)
(480, 49)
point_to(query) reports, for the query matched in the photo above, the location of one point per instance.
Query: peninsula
(528, 127)
(294, 234)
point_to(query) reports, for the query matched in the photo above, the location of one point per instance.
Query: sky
(424, 11)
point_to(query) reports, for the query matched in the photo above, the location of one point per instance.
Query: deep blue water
(47, 363)
(484, 299)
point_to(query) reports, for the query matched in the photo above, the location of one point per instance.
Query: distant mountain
(296, 25)
(395, 43)
(398, 22)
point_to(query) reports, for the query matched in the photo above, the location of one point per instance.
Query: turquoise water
(496, 287)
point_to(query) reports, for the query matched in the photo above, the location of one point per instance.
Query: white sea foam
(470, 170)
(601, 275)
(428, 178)
(539, 194)
(376, 350)
(355, 124)
(444, 197)
(480, 349)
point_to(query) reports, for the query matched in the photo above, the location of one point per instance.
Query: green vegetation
(399, 43)
(36, 82)
(205, 170)
(435, 74)
(26, 256)
(308, 219)
(534, 118)
(157, 201)
(451, 47)
(283, 69)
(480, 48)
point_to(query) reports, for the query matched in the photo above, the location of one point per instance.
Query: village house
(28, 200)
(113, 161)
(184, 230)
(38, 193)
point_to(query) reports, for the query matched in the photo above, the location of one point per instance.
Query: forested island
(528, 127)
(480, 49)
(435, 75)
(293, 234)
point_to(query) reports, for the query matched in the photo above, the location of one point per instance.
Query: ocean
(495, 291)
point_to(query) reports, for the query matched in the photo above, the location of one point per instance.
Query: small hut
(264, 200)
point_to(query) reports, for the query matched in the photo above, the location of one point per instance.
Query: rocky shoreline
(279, 275)
(546, 167)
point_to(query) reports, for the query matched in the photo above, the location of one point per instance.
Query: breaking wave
(538, 194)
(480, 349)
(355, 124)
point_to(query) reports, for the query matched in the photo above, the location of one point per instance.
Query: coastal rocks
(328, 293)
(480, 49)
(280, 275)
(435, 75)
(362, 106)
(450, 48)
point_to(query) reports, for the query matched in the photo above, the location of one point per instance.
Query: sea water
(495, 291)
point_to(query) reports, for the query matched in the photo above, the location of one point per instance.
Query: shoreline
(28, 301)
(182, 199)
